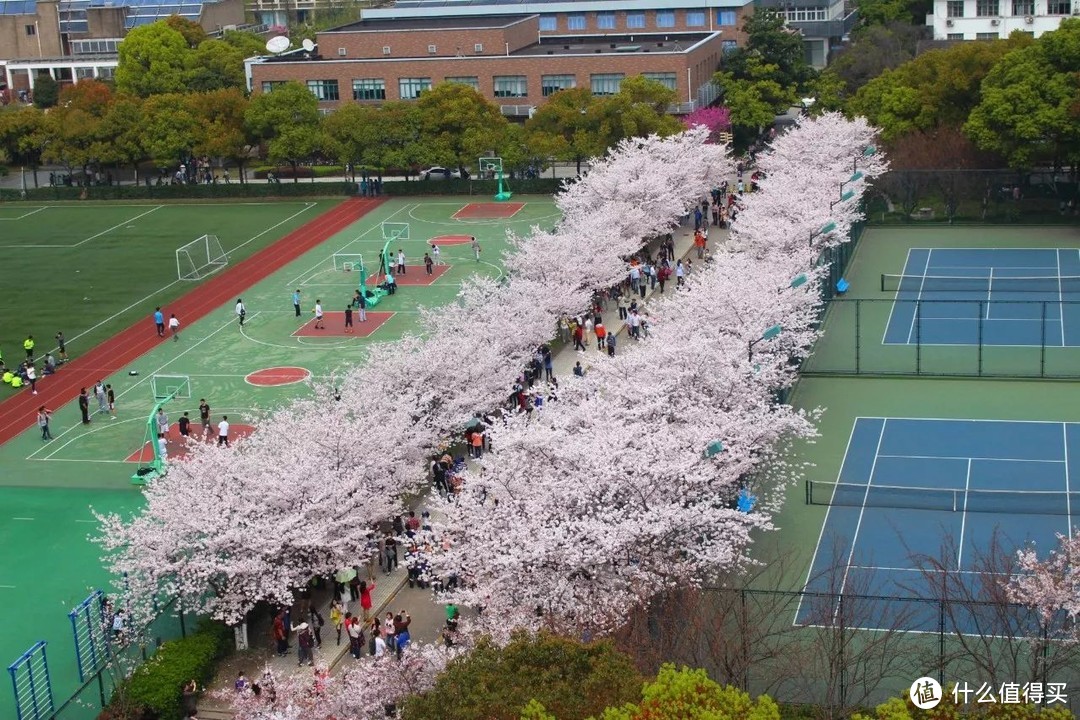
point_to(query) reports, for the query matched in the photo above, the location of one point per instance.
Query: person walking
(318, 315)
(61, 348)
(365, 598)
(281, 638)
(348, 319)
(31, 377)
(102, 398)
(204, 417)
(623, 303)
(579, 336)
(223, 431)
(680, 274)
(296, 301)
(110, 396)
(162, 421)
(84, 406)
(185, 426)
(391, 285)
(163, 447)
(436, 254)
(476, 248)
(429, 264)
(174, 327)
(337, 617)
(43, 417)
(241, 311)
(362, 305)
(159, 322)
(612, 341)
(601, 335)
(400, 262)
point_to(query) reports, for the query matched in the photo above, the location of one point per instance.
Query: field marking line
(307, 207)
(1068, 495)
(918, 298)
(825, 521)
(114, 227)
(314, 268)
(139, 382)
(862, 511)
(963, 517)
(896, 299)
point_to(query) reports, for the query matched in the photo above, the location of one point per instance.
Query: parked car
(439, 173)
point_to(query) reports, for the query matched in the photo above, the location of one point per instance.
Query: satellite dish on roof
(308, 45)
(278, 44)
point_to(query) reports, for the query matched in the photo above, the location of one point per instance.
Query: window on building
(369, 89)
(986, 36)
(955, 36)
(31, 29)
(325, 90)
(695, 18)
(548, 23)
(106, 73)
(575, 22)
(551, 84)
(665, 18)
(606, 83)
(410, 88)
(433, 49)
(470, 80)
(268, 86)
(86, 47)
(806, 14)
(954, 8)
(667, 79)
(635, 19)
(511, 86)
(1057, 7)
(84, 73)
(728, 46)
(987, 8)
(605, 21)
(1023, 7)
(726, 18)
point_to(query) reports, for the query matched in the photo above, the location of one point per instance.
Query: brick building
(506, 58)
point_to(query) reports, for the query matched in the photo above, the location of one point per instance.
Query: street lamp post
(769, 334)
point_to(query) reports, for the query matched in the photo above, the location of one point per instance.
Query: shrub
(156, 684)
(179, 192)
(537, 186)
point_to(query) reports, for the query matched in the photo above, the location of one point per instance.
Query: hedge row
(177, 192)
(156, 685)
(537, 186)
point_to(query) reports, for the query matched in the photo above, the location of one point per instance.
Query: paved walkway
(391, 591)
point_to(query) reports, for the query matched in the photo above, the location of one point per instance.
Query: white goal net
(348, 262)
(200, 258)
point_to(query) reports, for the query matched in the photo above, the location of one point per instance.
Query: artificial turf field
(125, 258)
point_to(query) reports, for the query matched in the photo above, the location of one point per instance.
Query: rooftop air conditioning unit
(995, 22)
(949, 23)
(1029, 19)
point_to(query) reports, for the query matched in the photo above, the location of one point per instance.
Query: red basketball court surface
(272, 377)
(488, 211)
(334, 323)
(178, 445)
(451, 240)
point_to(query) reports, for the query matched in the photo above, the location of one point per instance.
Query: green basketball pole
(504, 193)
(156, 468)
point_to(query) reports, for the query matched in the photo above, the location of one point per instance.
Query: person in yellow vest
(28, 346)
(8, 376)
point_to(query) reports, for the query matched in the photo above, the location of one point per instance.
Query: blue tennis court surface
(913, 488)
(1006, 297)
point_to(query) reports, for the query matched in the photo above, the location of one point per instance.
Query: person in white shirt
(163, 447)
(401, 262)
(31, 377)
(435, 254)
(162, 422)
(223, 431)
(318, 315)
(174, 327)
(380, 646)
(241, 311)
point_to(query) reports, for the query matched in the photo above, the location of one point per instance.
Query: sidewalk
(428, 616)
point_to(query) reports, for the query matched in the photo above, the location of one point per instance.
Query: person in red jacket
(579, 337)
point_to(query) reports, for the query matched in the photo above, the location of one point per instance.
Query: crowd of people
(26, 373)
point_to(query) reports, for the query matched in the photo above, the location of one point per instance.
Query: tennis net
(950, 283)
(1024, 502)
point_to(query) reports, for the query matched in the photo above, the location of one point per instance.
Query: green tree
(46, 91)
(873, 50)
(883, 12)
(939, 87)
(756, 97)
(222, 130)
(170, 128)
(686, 694)
(573, 680)
(566, 127)
(769, 43)
(22, 136)
(287, 120)
(638, 109)
(248, 43)
(459, 125)
(75, 125)
(903, 709)
(1028, 101)
(214, 65)
(193, 32)
(153, 59)
(122, 136)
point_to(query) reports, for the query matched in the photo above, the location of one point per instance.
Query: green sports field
(122, 258)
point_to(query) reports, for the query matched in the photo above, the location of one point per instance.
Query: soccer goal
(348, 262)
(395, 231)
(200, 258)
(167, 387)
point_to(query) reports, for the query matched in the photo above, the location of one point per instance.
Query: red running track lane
(19, 412)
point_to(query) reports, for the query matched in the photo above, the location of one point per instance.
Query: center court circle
(272, 377)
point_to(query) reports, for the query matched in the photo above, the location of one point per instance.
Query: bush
(156, 684)
(537, 186)
(4, 171)
(178, 192)
(285, 172)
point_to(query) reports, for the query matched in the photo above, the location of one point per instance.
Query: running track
(19, 412)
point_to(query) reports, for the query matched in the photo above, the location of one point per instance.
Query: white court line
(963, 518)
(1068, 497)
(896, 298)
(953, 457)
(918, 298)
(188, 349)
(114, 227)
(979, 420)
(21, 518)
(989, 291)
(922, 570)
(26, 215)
(862, 511)
(825, 522)
(1061, 299)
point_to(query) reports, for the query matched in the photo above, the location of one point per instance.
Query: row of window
(992, 8)
(87, 47)
(503, 86)
(635, 20)
(805, 14)
(981, 36)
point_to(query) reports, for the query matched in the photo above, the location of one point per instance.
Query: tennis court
(910, 488)
(986, 296)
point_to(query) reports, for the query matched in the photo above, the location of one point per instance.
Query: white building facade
(993, 19)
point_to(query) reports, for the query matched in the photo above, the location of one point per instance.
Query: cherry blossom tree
(1050, 584)
(713, 119)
